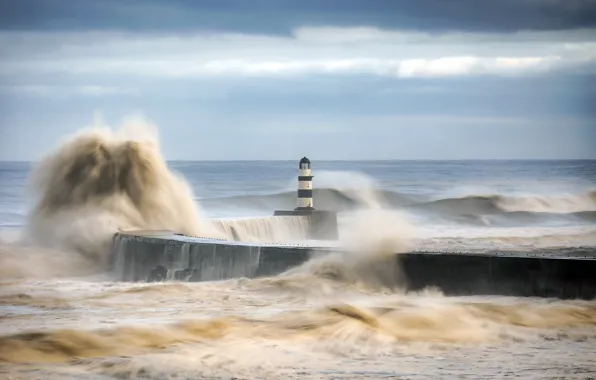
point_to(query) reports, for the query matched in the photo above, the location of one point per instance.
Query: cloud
(281, 17)
(321, 51)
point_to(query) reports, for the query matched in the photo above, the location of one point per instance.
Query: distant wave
(325, 198)
(491, 204)
(521, 218)
(527, 216)
(493, 209)
(502, 209)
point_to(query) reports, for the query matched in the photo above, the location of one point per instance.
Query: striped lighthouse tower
(305, 201)
(322, 224)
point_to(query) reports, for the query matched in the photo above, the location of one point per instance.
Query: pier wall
(165, 256)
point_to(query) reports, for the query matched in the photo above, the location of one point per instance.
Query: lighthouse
(323, 224)
(305, 201)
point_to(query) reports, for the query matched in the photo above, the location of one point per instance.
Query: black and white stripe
(305, 200)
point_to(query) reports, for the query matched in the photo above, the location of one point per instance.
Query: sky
(281, 79)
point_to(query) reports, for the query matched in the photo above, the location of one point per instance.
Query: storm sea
(63, 316)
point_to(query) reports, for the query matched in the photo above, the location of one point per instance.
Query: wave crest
(101, 181)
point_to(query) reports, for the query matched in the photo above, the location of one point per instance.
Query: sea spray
(345, 191)
(272, 229)
(101, 181)
(361, 189)
(19, 261)
(367, 257)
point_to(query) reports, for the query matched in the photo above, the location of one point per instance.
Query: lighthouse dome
(304, 161)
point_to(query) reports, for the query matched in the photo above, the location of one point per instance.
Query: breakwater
(163, 255)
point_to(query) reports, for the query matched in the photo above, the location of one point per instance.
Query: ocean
(455, 204)
(62, 316)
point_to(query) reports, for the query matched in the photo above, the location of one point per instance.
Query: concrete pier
(162, 255)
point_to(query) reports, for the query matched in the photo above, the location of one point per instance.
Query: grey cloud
(274, 16)
(310, 50)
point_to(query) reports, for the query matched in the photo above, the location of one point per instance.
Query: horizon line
(357, 160)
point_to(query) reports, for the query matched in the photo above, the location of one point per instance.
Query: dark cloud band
(274, 16)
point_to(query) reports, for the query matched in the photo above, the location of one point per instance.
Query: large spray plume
(101, 181)
(367, 258)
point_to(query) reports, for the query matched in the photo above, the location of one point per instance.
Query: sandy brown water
(292, 326)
